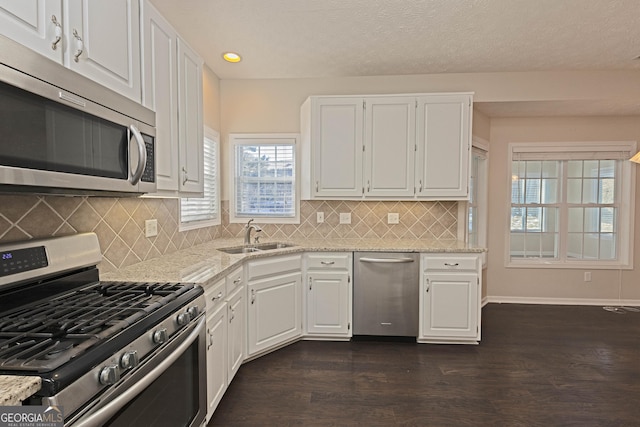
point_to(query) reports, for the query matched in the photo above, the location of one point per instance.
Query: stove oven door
(167, 389)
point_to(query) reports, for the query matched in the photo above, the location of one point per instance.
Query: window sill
(573, 265)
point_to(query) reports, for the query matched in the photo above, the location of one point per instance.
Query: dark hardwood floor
(536, 366)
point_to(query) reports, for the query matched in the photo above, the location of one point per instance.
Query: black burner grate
(48, 333)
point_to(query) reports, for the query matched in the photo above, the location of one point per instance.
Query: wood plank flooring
(536, 366)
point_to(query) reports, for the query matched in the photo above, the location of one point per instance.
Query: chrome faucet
(247, 233)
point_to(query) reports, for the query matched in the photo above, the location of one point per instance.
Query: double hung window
(265, 178)
(571, 204)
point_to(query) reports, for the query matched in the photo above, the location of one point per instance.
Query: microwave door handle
(104, 414)
(142, 155)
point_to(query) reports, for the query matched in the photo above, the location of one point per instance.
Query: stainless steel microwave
(62, 133)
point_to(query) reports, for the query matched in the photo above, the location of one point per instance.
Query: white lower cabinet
(274, 302)
(328, 295)
(216, 345)
(450, 299)
(236, 324)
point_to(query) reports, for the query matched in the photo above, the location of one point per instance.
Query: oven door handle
(104, 414)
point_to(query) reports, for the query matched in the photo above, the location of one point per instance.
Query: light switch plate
(345, 217)
(151, 227)
(319, 217)
(393, 218)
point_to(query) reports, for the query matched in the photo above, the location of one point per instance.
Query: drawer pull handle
(327, 262)
(217, 297)
(235, 282)
(448, 264)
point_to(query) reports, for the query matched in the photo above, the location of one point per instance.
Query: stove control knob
(129, 360)
(160, 336)
(183, 318)
(193, 311)
(109, 375)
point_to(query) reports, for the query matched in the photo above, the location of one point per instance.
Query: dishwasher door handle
(386, 260)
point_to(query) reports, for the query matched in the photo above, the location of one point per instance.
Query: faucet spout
(247, 233)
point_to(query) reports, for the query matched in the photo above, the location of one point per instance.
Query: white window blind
(206, 208)
(265, 180)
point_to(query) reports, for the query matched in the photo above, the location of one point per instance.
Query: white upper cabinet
(160, 92)
(172, 87)
(99, 39)
(335, 163)
(104, 42)
(190, 129)
(443, 146)
(34, 23)
(387, 147)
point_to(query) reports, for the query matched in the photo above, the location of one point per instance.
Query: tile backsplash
(119, 223)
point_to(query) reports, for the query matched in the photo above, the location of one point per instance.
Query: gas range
(86, 338)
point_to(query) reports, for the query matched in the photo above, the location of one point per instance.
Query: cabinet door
(389, 141)
(449, 306)
(160, 92)
(274, 311)
(336, 139)
(443, 146)
(104, 43)
(216, 357)
(328, 303)
(236, 332)
(36, 24)
(191, 131)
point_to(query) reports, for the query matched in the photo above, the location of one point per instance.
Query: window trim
(255, 139)
(626, 183)
(481, 148)
(213, 135)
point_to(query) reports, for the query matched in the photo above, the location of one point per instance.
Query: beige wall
(481, 125)
(506, 283)
(211, 99)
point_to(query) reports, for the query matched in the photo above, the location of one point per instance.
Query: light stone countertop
(205, 264)
(14, 389)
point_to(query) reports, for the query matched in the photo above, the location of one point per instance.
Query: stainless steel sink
(260, 247)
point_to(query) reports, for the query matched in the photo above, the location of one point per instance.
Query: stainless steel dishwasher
(386, 293)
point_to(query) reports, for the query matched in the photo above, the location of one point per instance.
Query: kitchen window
(571, 205)
(205, 211)
(264, 180)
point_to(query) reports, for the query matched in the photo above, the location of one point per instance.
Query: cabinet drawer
(234, 280)
(329, 260)
(215, 294)
(271, 266)
(450, 263)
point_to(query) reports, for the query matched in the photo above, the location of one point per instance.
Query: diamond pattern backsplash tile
(119, 223)
(418, 220)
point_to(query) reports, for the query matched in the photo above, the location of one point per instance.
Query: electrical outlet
(393, 218)
(345, 217)
(151, 227)
(319, 217)
(587, 276)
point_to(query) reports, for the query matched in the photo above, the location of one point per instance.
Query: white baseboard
(561, 301)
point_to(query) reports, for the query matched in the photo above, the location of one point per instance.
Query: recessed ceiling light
(231, 57)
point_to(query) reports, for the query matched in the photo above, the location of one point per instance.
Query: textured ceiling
(334, 38)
